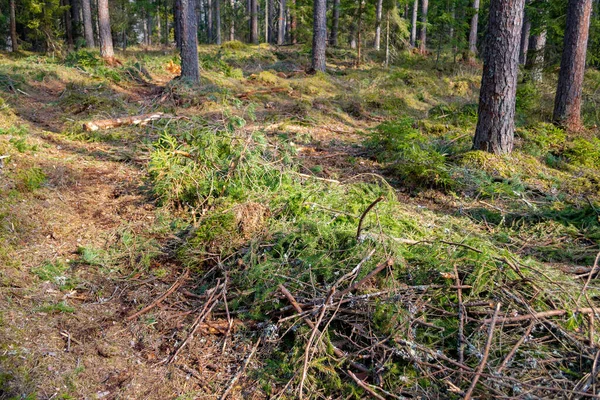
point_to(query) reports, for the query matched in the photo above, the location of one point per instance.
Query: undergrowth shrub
(413, 156)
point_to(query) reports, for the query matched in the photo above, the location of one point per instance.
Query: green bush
(410, 154)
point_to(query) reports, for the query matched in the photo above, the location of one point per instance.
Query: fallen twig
(486, 354)
(539, 315)
(364, 214)
(512, 352)
(364, 386)
(240, 371)
(134, 120)
(156, 302)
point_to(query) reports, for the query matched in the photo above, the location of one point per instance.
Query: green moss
(31, 179)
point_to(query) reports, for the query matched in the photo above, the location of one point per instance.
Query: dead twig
(512, 352)
(587, 282)
(156, 302)
(364, 386)
(539, 315)
(486, 354)
(240, 371)
(364, 214)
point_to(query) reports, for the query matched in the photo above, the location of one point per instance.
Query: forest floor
(95, 226)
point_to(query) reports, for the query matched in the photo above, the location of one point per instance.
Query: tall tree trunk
(217, 21)
(13, 26)
(496, 123)
(452, 21)
(387, 40)
(423, 37)
(177, 22)
(413, 24)
(209, 14)
(254, 21)
(149, 23)
(232, 21)
(378, 17)
(272, 22)
(76, 18)
(281, 23)
(189, 41)
(335, 23)
(88, 29)
(359, 34)
(68, 24)
(294, 22)
(524, 39)
(266, 21)
(535, 56)
(106, 44)
(473, 32)
(567, 105)
(319, 44)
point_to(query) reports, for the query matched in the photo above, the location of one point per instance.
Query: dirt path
(76, 342)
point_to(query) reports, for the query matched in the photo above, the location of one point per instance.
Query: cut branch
(141, 120)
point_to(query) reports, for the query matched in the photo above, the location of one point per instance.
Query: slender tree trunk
(535, 56)
(189, 41)
(76, 18)
(272, 21)
(335, 23)
(166, 25)
(319, 44)
(387, 40)
(452, 22)
(150, 23)
(178, 21)
(567, 105)
(413, 25)
(96, 20)
(266, 21)
(106, 44)
(145, 28)
(378, 17)
(232, 21)
(13, 26)
(423, 37)
(87, 23)
(281, 23)
(473, 32)
(294, 22)
(209, 17)
(359, 34)
(524, 39)
(68, 24)
(254, 21)
(496, 124)
(218, 21)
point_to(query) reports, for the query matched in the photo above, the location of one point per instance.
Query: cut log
(115, 123)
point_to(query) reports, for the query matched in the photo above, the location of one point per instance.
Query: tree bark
(319, 44)
(88, 27)
(496, 124)
(76, 18)
(281, 23)
(378, 17)
(106, 44)
(473, 32)
(189, 41)
(178, 21)
(209, 18)
(423, 36)
(359, 34)
(232, 21)
(272, 22)
(217, 22)
(524, 39)
(68, 24)
(335, 23)
(535, 56)
(254, 21)
(567, 105)
(413, 25)
(13, 26)
(294, 22)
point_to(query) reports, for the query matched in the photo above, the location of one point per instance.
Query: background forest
(290, 199)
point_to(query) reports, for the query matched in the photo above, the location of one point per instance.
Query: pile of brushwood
(345, 292)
